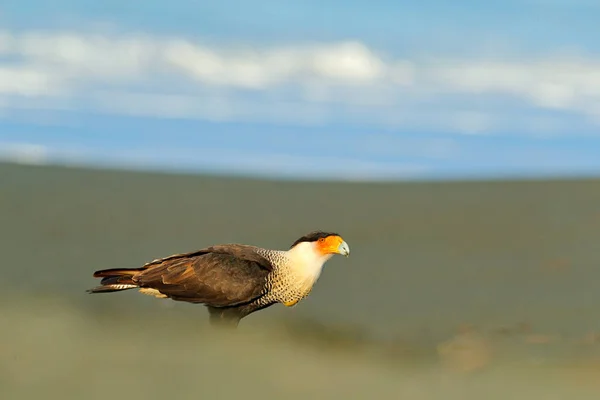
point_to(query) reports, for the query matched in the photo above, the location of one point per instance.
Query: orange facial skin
(333, 245)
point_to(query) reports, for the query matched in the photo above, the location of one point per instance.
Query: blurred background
(454, 146)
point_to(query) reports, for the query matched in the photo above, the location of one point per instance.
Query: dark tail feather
(114, 280)
(116, 272)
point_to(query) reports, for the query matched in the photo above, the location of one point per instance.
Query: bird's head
(324, 243)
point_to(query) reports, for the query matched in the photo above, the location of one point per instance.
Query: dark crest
(313, 237)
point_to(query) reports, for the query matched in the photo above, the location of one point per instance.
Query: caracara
(231, 280)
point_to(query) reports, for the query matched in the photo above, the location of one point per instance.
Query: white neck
(307, 260)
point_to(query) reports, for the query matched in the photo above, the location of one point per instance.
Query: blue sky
(342, 89)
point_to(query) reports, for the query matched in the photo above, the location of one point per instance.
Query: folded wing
(218, 276)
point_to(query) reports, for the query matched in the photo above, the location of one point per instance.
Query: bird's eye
(321, 240)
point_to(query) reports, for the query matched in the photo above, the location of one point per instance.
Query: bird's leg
(223, 318)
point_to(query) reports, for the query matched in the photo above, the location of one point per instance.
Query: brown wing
(219, 276)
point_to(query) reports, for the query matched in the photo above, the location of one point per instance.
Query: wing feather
(219, 276)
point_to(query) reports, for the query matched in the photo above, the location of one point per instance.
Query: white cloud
(349, 63)
(305, 83)
(24, 153)
(551, 83)
(27, 81)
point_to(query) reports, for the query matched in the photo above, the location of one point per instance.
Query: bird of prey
(231, 280)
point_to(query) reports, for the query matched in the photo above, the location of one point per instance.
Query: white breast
(305, 264)
(295, 273)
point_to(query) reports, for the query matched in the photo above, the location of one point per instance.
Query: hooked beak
(344, 249)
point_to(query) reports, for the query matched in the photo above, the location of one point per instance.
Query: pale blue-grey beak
(344, 249)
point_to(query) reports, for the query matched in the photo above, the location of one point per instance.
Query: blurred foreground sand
(52, 350)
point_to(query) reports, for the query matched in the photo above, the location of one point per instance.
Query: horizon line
(235, 173)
